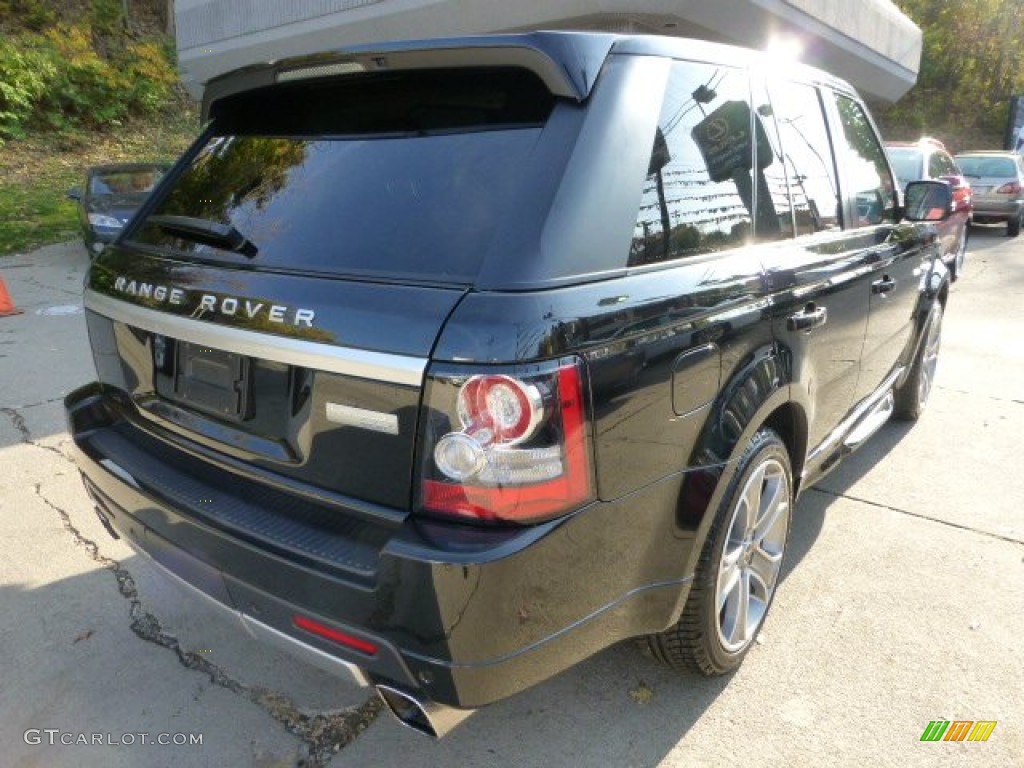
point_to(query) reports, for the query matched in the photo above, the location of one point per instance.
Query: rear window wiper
(206, 232)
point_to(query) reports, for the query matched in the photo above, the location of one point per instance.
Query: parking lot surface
(903, 601)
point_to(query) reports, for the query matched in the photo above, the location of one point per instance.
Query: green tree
(74, 66)
(972, 63)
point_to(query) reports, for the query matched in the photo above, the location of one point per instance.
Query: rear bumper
(189, 573)
(460, 615)
(997, 209)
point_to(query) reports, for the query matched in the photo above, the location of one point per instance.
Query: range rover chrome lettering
(591, 312)
(226, 305)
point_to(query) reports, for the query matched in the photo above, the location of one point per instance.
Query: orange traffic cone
(6, 302)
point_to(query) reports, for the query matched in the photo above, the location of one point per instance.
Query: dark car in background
(997, 180)
(448, 364)
(929, 159)
(110, 197)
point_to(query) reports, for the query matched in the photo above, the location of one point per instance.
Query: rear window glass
(136, 181)
(987, 166)
(397, 176)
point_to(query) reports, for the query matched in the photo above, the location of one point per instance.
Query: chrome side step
(866, 419)
(871, 422)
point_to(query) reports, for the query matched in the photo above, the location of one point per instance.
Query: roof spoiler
(567, 63)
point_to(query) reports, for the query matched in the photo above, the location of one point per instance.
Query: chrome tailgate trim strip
(364, 364)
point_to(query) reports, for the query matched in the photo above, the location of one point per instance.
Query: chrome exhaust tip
(427, 717)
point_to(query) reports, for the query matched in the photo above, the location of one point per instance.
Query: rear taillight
(505, 446)
(1010, 188)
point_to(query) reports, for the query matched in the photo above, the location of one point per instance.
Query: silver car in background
(997, 180)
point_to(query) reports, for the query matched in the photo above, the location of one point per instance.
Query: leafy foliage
(24, 78)
(231, 171)
(87, 71)
(35, 176)
(80, 85)
(971, 65)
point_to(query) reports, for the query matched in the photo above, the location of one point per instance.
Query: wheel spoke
(929, 359)
(728, 580)
(741, 632)
(751, 502)
(926, 387)
(764, 566)
(732, 555)
(774, 504)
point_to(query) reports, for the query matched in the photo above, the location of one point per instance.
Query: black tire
(1013, 226)
(698, 640)
(912, 396)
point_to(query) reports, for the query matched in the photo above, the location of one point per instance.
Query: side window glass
(698, 196)
(773, 211)
(807, 157)
(942, 165)
(866, 168)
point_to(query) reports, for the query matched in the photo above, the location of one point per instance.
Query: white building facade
(867, 42)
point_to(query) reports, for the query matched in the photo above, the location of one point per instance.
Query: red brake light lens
(334, 635)
(506, 407)
(516, 450)
(1010, 188)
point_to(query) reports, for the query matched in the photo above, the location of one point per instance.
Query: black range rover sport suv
(449, 364)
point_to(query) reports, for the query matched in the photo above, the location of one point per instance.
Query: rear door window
(402, 176)
(806, 156)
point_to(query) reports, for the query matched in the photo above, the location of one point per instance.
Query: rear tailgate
(311, 379)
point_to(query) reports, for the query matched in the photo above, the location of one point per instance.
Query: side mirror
(928, 201)
(74, 194)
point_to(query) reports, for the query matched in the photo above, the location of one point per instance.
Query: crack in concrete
(19, 424)
(26, 436)
(918, 515)
(26, 406)
(979, 394)
(322, 733)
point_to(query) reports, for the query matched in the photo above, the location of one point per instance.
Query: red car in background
(929, 159)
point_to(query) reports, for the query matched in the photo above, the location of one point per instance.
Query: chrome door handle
(884, 285)
(809, 317)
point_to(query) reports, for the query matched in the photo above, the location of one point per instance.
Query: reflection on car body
(111, 195)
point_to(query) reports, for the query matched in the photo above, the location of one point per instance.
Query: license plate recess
(213, 381)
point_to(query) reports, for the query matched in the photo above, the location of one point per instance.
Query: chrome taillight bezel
(540, 470)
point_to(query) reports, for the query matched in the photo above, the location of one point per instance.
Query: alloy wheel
(961, 253)
(752, 556)
(930, 357)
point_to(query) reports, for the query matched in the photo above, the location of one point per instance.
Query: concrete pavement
(902, 601)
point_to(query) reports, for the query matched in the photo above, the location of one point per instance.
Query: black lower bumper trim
(258, 611)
